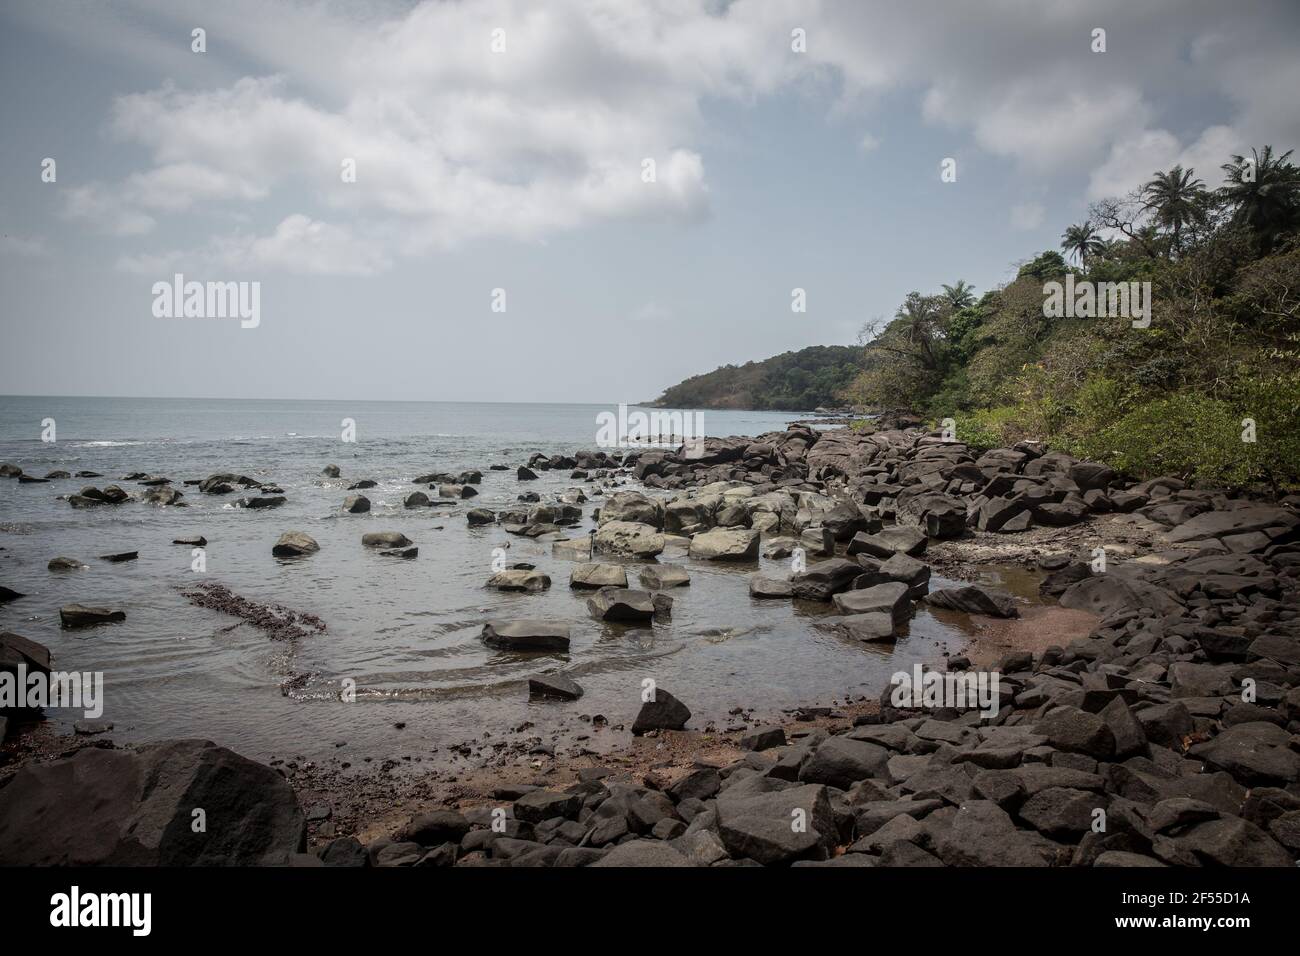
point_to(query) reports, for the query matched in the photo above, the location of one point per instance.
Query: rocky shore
(1168, 734)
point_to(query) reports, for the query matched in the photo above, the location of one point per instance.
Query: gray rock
(659, 576)
(81, 615)
(767, 586)
(134, 808)
(665, 712)
(555, 686)
(293, 544)
(621, 604)
(779, 826)
(725, 544)
(527, 635)
(974, 600)
(654, 853)
(595, 576)
(385, 539)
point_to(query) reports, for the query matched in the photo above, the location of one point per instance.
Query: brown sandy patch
(1038, 628)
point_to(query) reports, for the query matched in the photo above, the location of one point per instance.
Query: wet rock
(891, 599)
(526, 635)
(119, 557)
(81, 615)
(899, 539)
(330, 471)
(664, 712)
(621, 604)
(520, 580)
(356, 504)
(628, 539)
(554, 686)
(385, 539)
(822, 581)
(293, 544)
(65, 564)
(874, 627)
(262, 503)
(767, 586)
(525, 474)
(657, 577)
(974, 600)
(418, 499)
(194, 541)
(91, 728)
(479, 516)
(595, 576)
(405, 553)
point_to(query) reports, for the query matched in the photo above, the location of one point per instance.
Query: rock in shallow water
(293, 544)
(527, 635)
(554, 686)
(81, 615)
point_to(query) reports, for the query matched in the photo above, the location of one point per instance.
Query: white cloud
(455, 143)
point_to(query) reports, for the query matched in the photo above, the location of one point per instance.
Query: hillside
(792, 381)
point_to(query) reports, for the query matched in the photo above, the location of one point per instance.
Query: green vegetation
(792, 381)
(1223, 345)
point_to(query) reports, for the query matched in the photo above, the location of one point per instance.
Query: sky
(504, 237)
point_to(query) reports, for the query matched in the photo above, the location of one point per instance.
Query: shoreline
(1101, 688)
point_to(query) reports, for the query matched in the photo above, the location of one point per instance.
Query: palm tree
(1178, 199)
(959, 296)
(1264, 191)
(920, 322)
(1082, 242)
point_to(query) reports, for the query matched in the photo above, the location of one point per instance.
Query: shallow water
(407, 632)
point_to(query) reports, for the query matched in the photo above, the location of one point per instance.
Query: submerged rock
(81, 615)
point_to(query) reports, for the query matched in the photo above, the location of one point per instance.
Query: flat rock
(659, 576)
(81, 615)
(553, 686)
(527, 635)
(594, 576)
(725, 544)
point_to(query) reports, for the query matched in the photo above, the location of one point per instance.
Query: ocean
(404, 633)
